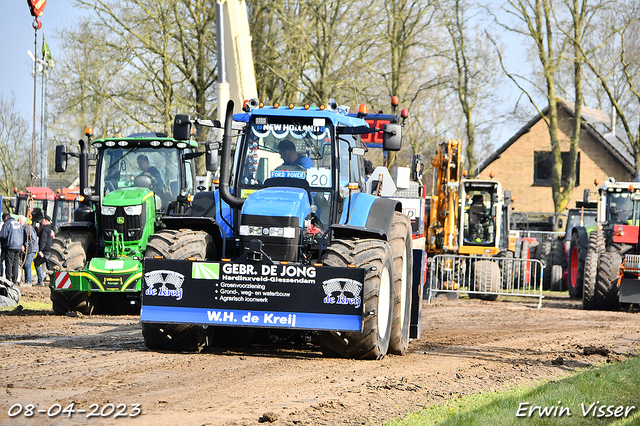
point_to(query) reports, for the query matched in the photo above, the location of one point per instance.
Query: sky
(17, 36)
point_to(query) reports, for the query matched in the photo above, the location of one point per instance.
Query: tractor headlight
(108, 210)
(274, 231)
(248, 230)
(133, 210)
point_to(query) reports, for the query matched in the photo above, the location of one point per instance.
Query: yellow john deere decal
(87, 276)
(120, 220)
(131, 279)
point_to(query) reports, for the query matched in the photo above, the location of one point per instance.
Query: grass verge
(590, 397)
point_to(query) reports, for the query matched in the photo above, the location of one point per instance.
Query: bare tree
(614, 60)
(15, 148)
(552, 39)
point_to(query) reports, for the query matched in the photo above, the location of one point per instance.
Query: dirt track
(466, 346)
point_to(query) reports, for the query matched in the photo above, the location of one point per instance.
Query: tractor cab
(619, 203)
(482, 219)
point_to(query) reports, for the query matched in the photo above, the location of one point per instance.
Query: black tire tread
(366, 253)
(69, 252)
(596, 248)
(177, 244)
(607, 282)
(64, 302)
(401, 246)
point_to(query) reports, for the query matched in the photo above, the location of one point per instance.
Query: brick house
(522, 164)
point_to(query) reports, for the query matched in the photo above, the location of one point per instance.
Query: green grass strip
(607, 387)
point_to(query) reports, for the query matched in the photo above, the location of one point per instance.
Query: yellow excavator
(467, 216)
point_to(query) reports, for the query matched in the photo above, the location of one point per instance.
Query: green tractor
(141, 182)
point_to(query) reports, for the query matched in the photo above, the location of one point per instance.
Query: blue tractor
(290, 247)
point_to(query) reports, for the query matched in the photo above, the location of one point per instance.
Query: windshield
(479, 223)
(620, 207)
(155, 168)
(588, 218)
(291, 152)
(286, 148)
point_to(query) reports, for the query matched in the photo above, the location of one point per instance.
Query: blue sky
(17, 36)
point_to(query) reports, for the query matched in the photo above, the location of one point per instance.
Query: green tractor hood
(127, 197)
(127, 220)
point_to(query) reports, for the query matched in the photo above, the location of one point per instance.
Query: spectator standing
(45, 240)
(31, 247)
(12, 236)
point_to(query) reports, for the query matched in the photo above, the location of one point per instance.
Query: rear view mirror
(182, 127)
(392, 137)
(61, 158)
(211, 158)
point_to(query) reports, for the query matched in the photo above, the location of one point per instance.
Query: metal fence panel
(484, 277)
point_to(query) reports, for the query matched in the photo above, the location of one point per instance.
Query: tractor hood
(127, 197)
(278, 202)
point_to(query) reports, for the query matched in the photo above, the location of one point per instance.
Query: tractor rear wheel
(577, 256)
(596, 248)
(70, 252)
(401, 249)
(177, 244)
(607, 298)
(544, 256)
(377, 297)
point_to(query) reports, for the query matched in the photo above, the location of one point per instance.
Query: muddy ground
(467, 346)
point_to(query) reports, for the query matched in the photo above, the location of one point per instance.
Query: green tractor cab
(97, 257)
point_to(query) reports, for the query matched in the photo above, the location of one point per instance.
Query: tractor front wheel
(70, 252)
(377, 297)
(177, 244)
(607, 298)
(401, 249)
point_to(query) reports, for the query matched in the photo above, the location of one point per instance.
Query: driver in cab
(290, 156)
(156, 177)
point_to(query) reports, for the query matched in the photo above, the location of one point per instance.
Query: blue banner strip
(245, 318)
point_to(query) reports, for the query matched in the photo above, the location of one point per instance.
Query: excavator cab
(481, 217)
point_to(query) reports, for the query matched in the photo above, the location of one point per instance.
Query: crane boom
(236, 76)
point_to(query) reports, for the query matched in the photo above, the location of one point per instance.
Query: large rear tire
(401, 249)
(577, 256)
(373, 341)
(596, 248)
(70, 252)
(177, 244)
(543, 254)
(607, 298)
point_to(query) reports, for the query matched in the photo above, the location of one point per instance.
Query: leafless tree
(15, 142)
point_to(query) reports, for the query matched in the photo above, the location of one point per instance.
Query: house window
(543, 163)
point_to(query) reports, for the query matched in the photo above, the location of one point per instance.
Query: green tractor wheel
(69, 252)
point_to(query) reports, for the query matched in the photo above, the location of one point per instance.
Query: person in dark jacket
(31, 248)
(12, 236)
(45, 240)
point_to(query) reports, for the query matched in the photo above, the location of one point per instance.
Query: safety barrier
(485, 277)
